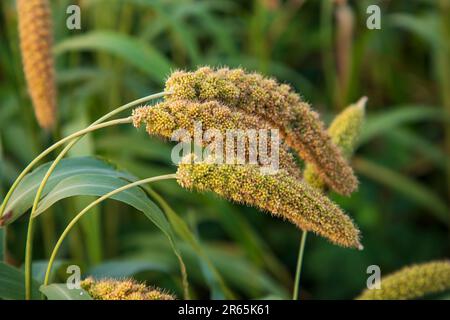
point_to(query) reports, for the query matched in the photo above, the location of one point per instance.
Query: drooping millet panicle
(277, 104)
(279, 194)
(36, 40)
(344, 131)
(412, 282)
(125, 289)
(165, 118)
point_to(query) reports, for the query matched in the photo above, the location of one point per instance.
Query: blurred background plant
(126, 49)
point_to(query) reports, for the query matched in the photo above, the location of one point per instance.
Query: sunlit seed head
(36, 40)
(165, 118)
(346, 128)
(125, 289)
(412, 282)
(279, 194)
(277, 104)
(345, 131)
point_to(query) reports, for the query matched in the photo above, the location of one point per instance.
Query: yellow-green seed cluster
(126, 289)
(36, 40)
(279, 194)
(277, 104)
(412, 282)
(345, 131)
(165, 118)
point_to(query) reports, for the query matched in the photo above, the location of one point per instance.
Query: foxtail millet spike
(344, 131)
(124, 289)
(277, 104)
(36, 41)
(412, 282)
(279, 194)
(165, 118)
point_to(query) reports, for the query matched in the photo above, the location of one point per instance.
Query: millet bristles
(345, 131)
(125, 289)
(277, 104)
(165, 118)
(36, 40)
(412, 282)
(279, 194)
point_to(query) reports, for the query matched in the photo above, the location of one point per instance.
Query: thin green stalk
(298, 272)
(90, 206)
(98, 123)
(29, 243)
(53, 147)
(73, 136)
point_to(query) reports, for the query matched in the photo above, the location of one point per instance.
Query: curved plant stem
(29, 247)
(90, 206)
(301, 250)
(57, 144)
(75, 138)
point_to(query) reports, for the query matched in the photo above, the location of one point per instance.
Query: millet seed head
(36, 41)
(412, 282)
(165, 118)
(344, 131)
(279, 194)
(125, 289)
(277, 104)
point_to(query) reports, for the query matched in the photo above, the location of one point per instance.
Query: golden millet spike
(166, 117)
(277, 104)
(125, 289)
(345, 131)
(36, 40)
(412, 282)
(279, 194)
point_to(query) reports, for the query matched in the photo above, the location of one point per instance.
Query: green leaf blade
(60, 291)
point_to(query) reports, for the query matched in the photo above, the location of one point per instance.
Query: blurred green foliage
(126, 49)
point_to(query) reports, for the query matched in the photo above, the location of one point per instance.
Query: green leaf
(425, 26)
(12, 284)
(22, 198)
(99, 185)
(414, 191)
(417, 143)
(387, 120)
(59, 291)
(137, 53)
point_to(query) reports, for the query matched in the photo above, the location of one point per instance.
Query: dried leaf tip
(412, 282)
(345, 131)
(279, 194)
(277, 104)
(36, 40)
(125, 289)
(165, 118)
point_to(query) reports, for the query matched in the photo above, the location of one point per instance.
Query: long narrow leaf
(12, 285)
(137, 53)
(22, 198)
(60, 291)
(381, 123)
(414, 191)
